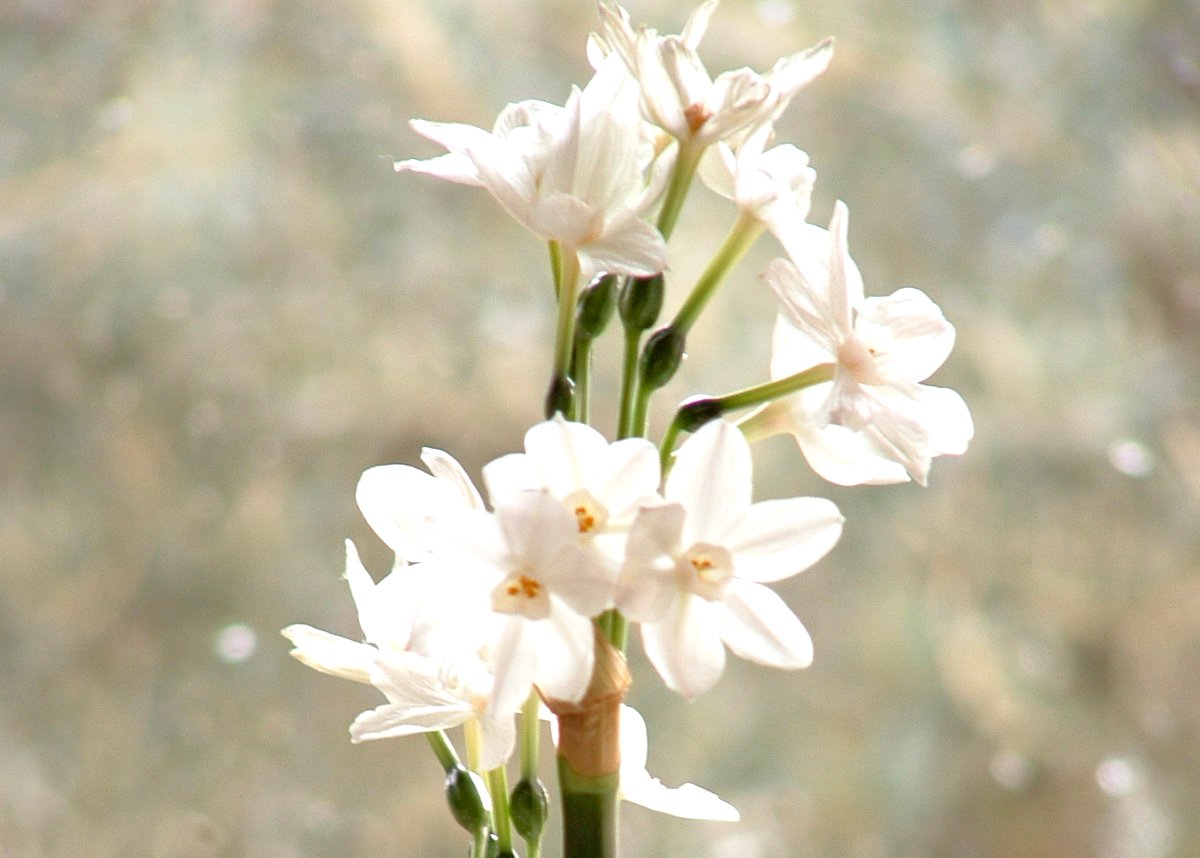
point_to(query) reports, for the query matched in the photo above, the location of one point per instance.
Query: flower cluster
(493, 608)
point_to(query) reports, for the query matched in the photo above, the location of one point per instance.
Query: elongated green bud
(641, 301)
(528, 807)
(468, 798)
(662, 356)
(596, 307)
(695, 411)
(560, 397)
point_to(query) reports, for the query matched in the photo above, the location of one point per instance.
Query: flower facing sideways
(696, 565)
(874, 422)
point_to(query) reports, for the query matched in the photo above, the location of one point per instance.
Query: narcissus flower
(578, 175)
(678, 94)
(874, 422)
(696, 566)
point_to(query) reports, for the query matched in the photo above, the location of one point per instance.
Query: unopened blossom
(545, 589)
(601, 484)
(678, 94)
(874, 422)
(696, 565)
(578, 175)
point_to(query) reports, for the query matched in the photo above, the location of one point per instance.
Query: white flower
(696, 565)
(425, 691)
(679, 96)
(426, 694)
(576, 175)
(874, 422)
(601, 484)
(774, 186)
(545, 589)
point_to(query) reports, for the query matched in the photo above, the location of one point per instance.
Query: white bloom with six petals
(696, 565)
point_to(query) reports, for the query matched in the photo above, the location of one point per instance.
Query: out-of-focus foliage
(218, 305)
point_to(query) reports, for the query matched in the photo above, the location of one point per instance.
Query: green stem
(629, 383)
(581, 372)
(497, 781)
(686, 162)
(442, 749)
(531, 725)
(589, 813)
(741, 237)
(479, 843)
(556, 268)
(699, 410)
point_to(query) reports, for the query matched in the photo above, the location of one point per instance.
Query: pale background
(218, 305)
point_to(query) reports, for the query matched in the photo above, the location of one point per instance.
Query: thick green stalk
(590, 823)
(581, 374)
(497, 782)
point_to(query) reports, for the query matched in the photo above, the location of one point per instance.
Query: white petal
(567, 454)
(718, 167)
(391, 720)
(565, 655)
(513, 660)
(403, 505)
(685, 646)
(913, 336)
(331, 654)
(697, 24)
(648, 585)
(950, 425)
(778, 538)
(447, 469)
(509, 474)
(634, 742)
(687, 801)
(806, 325)
(630, 476)
(845, 457)
(712, 478)
(757, 625)
(629, 245)
(499, 740)
(451, 167)
(536, 528)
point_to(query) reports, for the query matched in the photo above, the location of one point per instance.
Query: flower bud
(641, 301)
(468, 798)
(596, 306)
(698, 410)
(560, 396)
(528, 807)
(662, 356)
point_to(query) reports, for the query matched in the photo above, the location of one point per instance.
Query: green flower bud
(641, 301)
(662, 356)
(528, 807)
(560, 396)
(468, 798)
(698, 410)
(596, 307)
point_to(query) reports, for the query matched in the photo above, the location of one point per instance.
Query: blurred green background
(218, 305)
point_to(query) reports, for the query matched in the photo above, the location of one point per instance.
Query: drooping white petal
(330, 653)
(757, 625)
(778, 538)
(391, 720)
(845, 457)
(637, 786)
(685, 646)
(950, 425)
(447, 469)
(712, 478)
(629, 245)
